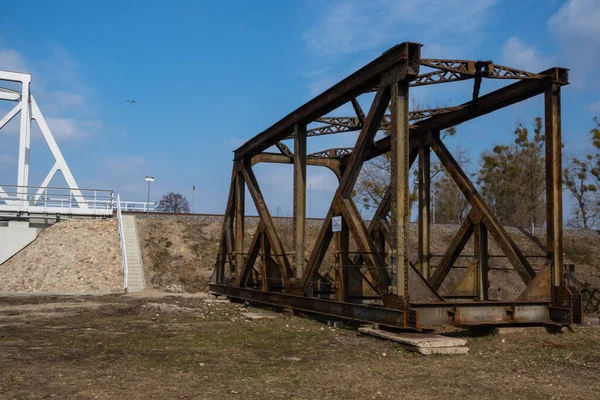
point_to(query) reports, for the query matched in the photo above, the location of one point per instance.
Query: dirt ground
(191, 346)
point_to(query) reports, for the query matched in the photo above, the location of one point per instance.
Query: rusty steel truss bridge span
(377, 282)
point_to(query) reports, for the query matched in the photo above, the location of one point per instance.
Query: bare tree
(450, 205)
(173, 203)
(512, 177)
(582, 178)
(376, 174)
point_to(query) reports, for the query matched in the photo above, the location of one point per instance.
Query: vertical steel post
(481, 252)
(299, 197)
(554, 218)
(424, 214)
(343, 263)
(148, 202)
(400, 167)
(264, 266)
(240, 209)
(24, 142)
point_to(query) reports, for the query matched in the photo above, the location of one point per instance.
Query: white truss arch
(25, 199)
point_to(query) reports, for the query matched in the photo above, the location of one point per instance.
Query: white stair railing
(122, 238)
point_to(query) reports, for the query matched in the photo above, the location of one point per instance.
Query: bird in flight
(131, 101)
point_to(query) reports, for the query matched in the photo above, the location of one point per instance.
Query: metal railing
(122, 239)
(139, 206)
(55, 200)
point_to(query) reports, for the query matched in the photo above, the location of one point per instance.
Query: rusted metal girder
(334, 97)
(554, 219)
(451, 70)
(400, 183)
(380, 273)
(424, 216)
(434, 313)
(344, 192)
(240, 212)
(334, 125)
(481, 251)
(486, 104)
(299, 197)
(557, 75)
(331, 153)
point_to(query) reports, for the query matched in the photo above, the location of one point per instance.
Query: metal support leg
(481, 251)
(299, 197)
(554, 218)
(240, 197)
(400, 192)
(424, 214)
(342, 247)
(264, 265)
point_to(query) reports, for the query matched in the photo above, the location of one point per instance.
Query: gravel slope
(69, 257)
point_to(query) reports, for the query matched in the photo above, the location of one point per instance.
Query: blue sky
(206, 76)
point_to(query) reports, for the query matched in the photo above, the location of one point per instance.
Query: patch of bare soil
(178, 256)
(189, 347)
(68, 257)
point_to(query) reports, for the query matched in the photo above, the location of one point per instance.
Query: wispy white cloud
(60, 89)
(126, 166)
(126, 174)
(322, 180)
(11, 60)
(358, 30)
(61, 102)
(593, 108)
(319, 80)
(71, 128)
(518, 54)
(349, 27)
(576, 28)
(577, 18)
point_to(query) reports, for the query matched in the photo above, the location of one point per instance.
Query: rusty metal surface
(376, 283)
(299, 198)
(355, 312)
(467, 285)
(540, 286)
(554, 217)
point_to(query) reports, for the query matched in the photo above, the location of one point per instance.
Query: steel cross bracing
(376, 281)
(23, 200)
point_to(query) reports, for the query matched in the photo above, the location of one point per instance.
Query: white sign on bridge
(336, 224)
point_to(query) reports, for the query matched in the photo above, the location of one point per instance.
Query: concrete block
(18, 224)
(428, 351)
(416, 340)
(14, 237)
(258, 315)
(511, 330)
(216, 301)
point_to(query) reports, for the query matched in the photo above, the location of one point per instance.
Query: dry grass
(179, 255)
(182, 347)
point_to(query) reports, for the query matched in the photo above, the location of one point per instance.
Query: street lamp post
(149, 179)
(193, 190)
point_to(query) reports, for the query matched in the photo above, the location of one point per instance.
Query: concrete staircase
(135, 279)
